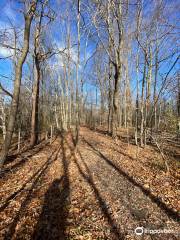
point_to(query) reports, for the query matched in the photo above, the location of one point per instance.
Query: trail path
(55, 194)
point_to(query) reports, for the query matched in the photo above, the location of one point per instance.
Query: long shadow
(26, 148)
(168, 211)
(130, 139)
(102, 203)
(52, 221)
(12, 156)
(23, 159)
(168, 150)
(39, 174)
(35, 175)
(101, 131)
(122, 153)
(127, 139)
(124, 139)
(14, 144)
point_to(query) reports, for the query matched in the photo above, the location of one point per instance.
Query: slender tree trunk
(155, 84)
(35, 94)
(77, 78)
(125, 103)
(19, 139)
(139, 17)
(115, 100)
(56, 113)
(159, 115)
(69, 78)
(126, 88)
(35, 105)
(17, 84)
(148, 95)
(142, 104)
(109, 99)
(51, 137)
(3, 117)
(137, 97)
(178, 107)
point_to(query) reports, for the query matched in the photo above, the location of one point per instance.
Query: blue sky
(10, 14)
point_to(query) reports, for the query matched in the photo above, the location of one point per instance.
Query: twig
(162, 154)
(6, 91)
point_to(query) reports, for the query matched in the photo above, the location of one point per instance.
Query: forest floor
(105, 190)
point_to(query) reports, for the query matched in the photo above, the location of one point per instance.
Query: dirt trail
(56, 194)
(129, 204)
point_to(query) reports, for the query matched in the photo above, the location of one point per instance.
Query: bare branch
(6, 91)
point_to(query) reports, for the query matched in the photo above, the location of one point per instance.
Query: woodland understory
(89, 119)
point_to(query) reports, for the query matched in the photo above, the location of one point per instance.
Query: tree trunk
(109, 98)
(35, 94)
(155, 81)
(3, 117)
(77, 78)
(178, 108)
(148, 95)
(56, 113)
(142, 104)
(17, 84)
(35, 105)
(137, 97)
(115, 100)
(139, 15)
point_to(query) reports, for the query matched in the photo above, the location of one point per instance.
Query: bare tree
(28, 16)
(2, 116)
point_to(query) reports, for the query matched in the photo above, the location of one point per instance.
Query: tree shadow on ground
(22, 210)
(168, 211)
(13, 152)
(102, 203)
(27, 148)
(101, 131)
(23, 158)
(34, 176)
(52, 221)
(122, 153)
